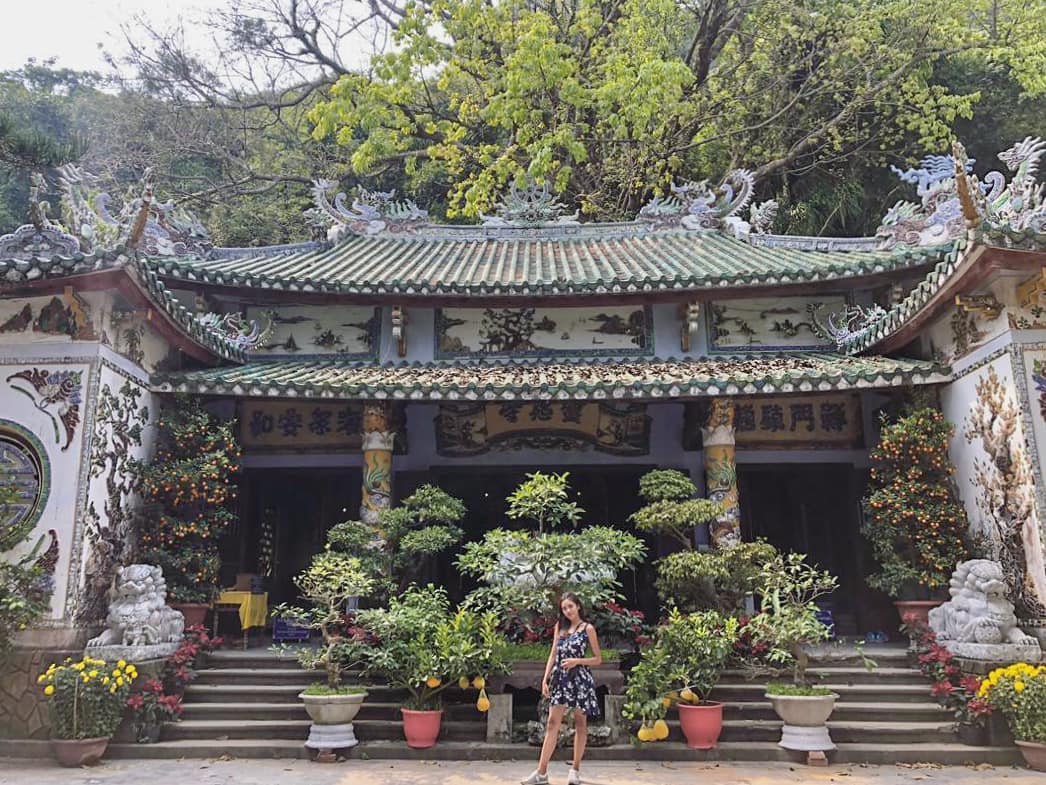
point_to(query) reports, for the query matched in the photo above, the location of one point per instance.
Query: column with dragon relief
(721, 472)
(378, 438)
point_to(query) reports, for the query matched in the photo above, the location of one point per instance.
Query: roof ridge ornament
(1021, 205)
(846, 326)
(938, 218)
(697, 206)
(534, 205)
(41, 237)
(243, 333)
(154, 228)
(372, 212)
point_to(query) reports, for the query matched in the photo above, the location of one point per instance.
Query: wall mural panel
(67, 316)
(537, 332)
(475, 428)
(302, 331)
(814, 422)
(57, 394)
(305, 426)
(771, 324)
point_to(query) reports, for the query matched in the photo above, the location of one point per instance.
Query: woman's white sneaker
(573, 777)
(537, 778)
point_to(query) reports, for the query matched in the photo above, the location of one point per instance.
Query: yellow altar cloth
(254, 608)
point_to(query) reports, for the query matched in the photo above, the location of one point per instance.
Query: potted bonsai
(1018, 692)
(151, 707)
(786, 625)
(680, 668)
(423, 649)
(186, 490)
(327, 584)
(86, 701)
(913, 517)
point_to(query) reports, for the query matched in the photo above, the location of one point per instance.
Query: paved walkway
(277, 772)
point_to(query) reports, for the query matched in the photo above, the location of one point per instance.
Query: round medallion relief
(24, 477)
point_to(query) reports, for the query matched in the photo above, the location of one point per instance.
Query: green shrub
(713, 580)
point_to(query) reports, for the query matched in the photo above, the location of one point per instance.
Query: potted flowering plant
(151, 708)
(680, 668)
(424, 649)
(1019, 693)
(86, 701)
(180, 667)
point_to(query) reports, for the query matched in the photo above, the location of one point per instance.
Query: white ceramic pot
(333, 709)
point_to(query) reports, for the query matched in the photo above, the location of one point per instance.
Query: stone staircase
(245, 704)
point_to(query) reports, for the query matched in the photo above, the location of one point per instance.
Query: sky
(72, 30)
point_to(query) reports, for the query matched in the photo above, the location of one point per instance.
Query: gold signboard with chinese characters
(788, 422)
(475, 428)
(308, 426)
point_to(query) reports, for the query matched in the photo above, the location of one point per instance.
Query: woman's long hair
(564, 622)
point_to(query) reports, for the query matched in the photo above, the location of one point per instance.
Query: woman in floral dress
(568, 684)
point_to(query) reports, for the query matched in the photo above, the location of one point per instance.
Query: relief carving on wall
(69, 315)
(119, 426)
(55, 393)
(531, 332)
(1006, 494)
(303, 331)
(773, 323)
(476, 428)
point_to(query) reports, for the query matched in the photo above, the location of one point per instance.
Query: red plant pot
(421, 727)
(701, 723)
(195, 613)
(79, 752)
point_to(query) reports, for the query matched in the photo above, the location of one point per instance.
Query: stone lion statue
(978, 611)
(138, 613)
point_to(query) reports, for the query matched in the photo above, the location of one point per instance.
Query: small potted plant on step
(328, 583)
(680, 668)
(152, 707)
(786, 625)
(423, 649)
(1019, 693)
(86, 701)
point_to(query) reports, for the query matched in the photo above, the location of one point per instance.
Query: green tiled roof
(615, 379)
(613, 259)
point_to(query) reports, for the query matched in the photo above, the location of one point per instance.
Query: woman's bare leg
(580, 736)
(555, 719)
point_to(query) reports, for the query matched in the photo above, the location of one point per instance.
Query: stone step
(894, 693)
(883, 732)
(252, 658)
(238, 675)
(371, 710)
(366, 730)
(271, 693)
(849, 711)
(838, 675)
(875, 754)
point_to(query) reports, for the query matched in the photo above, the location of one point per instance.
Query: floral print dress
(574, 688)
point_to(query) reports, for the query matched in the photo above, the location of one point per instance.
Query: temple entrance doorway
(815, 509)
(284, 518)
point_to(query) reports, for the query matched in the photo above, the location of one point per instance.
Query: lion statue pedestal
(140, 625)
(978, 623)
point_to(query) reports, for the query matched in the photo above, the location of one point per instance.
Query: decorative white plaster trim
(983, 361)
(67, 351)
(974, 359)
(124, 367)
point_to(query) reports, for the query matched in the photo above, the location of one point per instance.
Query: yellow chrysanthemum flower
(93, 673)
(49, 689)
(1018, 686)
(119, 681)
(121, 664)
(105, 681)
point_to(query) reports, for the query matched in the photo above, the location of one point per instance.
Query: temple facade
(393, 351)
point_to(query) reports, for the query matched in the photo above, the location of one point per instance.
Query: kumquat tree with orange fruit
(187, 489)
(913, 517)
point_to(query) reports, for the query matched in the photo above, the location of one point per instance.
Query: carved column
(377, 461)
(721, 472)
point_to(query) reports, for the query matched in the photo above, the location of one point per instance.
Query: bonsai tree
(524, 572)
(186, 489)
(787, 622)
(682, 665)
(405, 537)
(914, 520)
(328, 583)
(421, 647)
(671, 509)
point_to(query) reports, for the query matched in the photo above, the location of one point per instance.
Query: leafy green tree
(608, 101)
(23, 598)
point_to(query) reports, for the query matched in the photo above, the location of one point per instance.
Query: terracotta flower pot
(701, 723)
(195, 613)
(421, 727)
(920, 609)
(1034, 754)
(79, 752)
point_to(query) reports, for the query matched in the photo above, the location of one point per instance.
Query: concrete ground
(280, 772)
